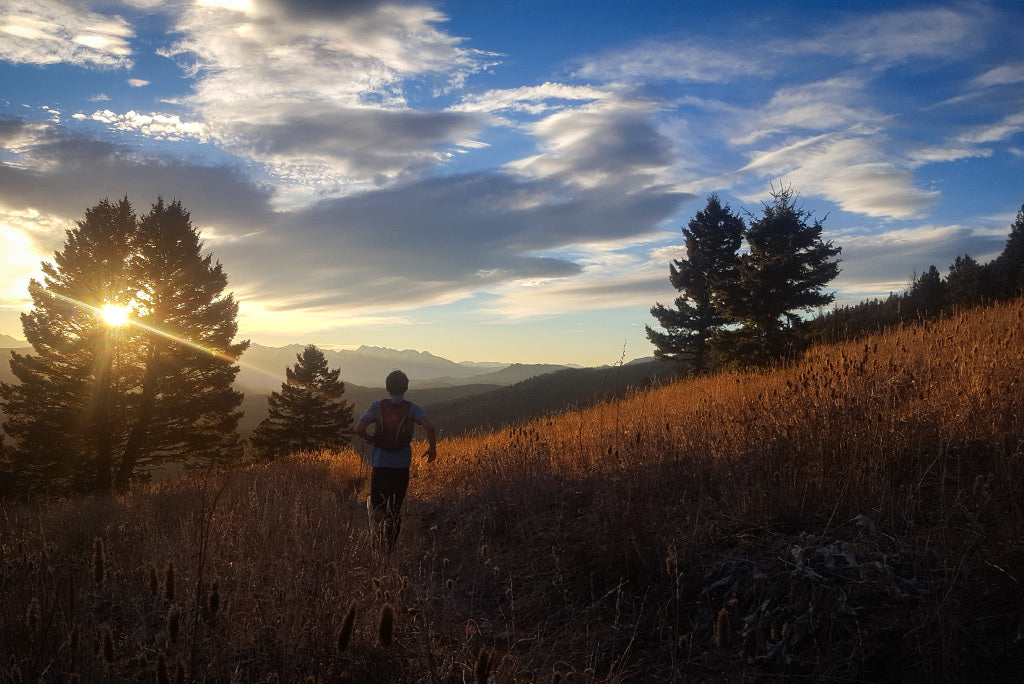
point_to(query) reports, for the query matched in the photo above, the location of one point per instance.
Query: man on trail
(394, 419)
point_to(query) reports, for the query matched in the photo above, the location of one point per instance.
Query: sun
(114, 315)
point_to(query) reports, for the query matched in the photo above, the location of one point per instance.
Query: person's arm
(361, 429)
(431, 452)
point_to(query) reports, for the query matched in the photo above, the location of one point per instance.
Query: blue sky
(504, 181)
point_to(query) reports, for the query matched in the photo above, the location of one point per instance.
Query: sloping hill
(543, 394)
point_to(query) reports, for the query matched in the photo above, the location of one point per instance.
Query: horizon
(504, 181)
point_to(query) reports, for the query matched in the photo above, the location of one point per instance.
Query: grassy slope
(857, 517)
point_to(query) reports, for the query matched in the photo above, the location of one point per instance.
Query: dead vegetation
(854, 517)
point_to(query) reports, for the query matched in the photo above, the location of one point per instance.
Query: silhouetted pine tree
(186, 404)
(966, 282)
(93, 399)
(712, 238)
(927, 294)
(309, 412)
(1007, 270)
(784, 271)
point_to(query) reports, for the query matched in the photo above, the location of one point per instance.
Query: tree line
(745, 308)
(967, 283)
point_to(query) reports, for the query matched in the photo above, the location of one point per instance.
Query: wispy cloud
(670, 61)
(889, 37)
(52, 32)
(531, 99)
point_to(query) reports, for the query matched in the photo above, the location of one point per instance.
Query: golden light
(114, 315)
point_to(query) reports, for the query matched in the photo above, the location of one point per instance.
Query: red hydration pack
(395, 426)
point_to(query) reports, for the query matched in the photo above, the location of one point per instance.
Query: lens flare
(114, 315)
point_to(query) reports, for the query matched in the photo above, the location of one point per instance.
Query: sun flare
(114, 315)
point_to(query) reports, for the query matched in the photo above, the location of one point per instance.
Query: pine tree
(712, 238)
(186, 404)
(784, 272)
(966, 284)
(61, 414)
(309, 412)
(1007, 270)
(927, 294)
(96, 399)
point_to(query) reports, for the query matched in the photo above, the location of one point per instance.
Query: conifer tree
(966, 284)
(309, 412)
(712, 238)
(783, 272)
(96, 399)
(927, 294)
(185, 404)
(1008, 268)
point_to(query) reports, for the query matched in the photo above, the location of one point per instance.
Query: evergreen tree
(185, 404)
(784, 271)
(97, 399)
(927, 295)
(712, 238)
(1007, 270)
(61, 414)
(309, 412)
(966, 282)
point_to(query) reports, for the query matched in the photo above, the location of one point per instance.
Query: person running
(394, 419)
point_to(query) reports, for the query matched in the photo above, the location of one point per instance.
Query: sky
(505, 181)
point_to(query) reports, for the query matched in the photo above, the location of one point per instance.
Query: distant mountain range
(464, 395)
(263, 367)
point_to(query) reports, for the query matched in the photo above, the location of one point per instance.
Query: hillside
(854, 517)
(542, 395)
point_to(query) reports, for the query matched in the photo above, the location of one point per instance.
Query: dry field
(857, 516)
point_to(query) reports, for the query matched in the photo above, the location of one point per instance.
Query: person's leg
(387, 493)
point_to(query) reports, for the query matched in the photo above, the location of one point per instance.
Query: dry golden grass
(854, 517)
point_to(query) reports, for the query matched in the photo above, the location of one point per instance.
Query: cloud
(59, 173)
(670, 61)
(1006, 74)
(605, 143)
(383, 252)
(51, 32)
(876, 263)
(531, 99)
(352, 143)
(890, 37)
(319, 86)
(137, 82)
(1008, 126)
(156, 126)
(823, 105)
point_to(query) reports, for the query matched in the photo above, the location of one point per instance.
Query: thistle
(32, 616)
(483, 666)
(722, 628)
(107, 644)
(161, 670)
(345, 635)
(73, 640)
(169, 582)
(213, 603)
(98, 570)
(386, 626)
(173, 623)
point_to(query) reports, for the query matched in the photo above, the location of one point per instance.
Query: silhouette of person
(394, 419)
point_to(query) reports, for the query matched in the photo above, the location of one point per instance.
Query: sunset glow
(522, 174)
(114, 315)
